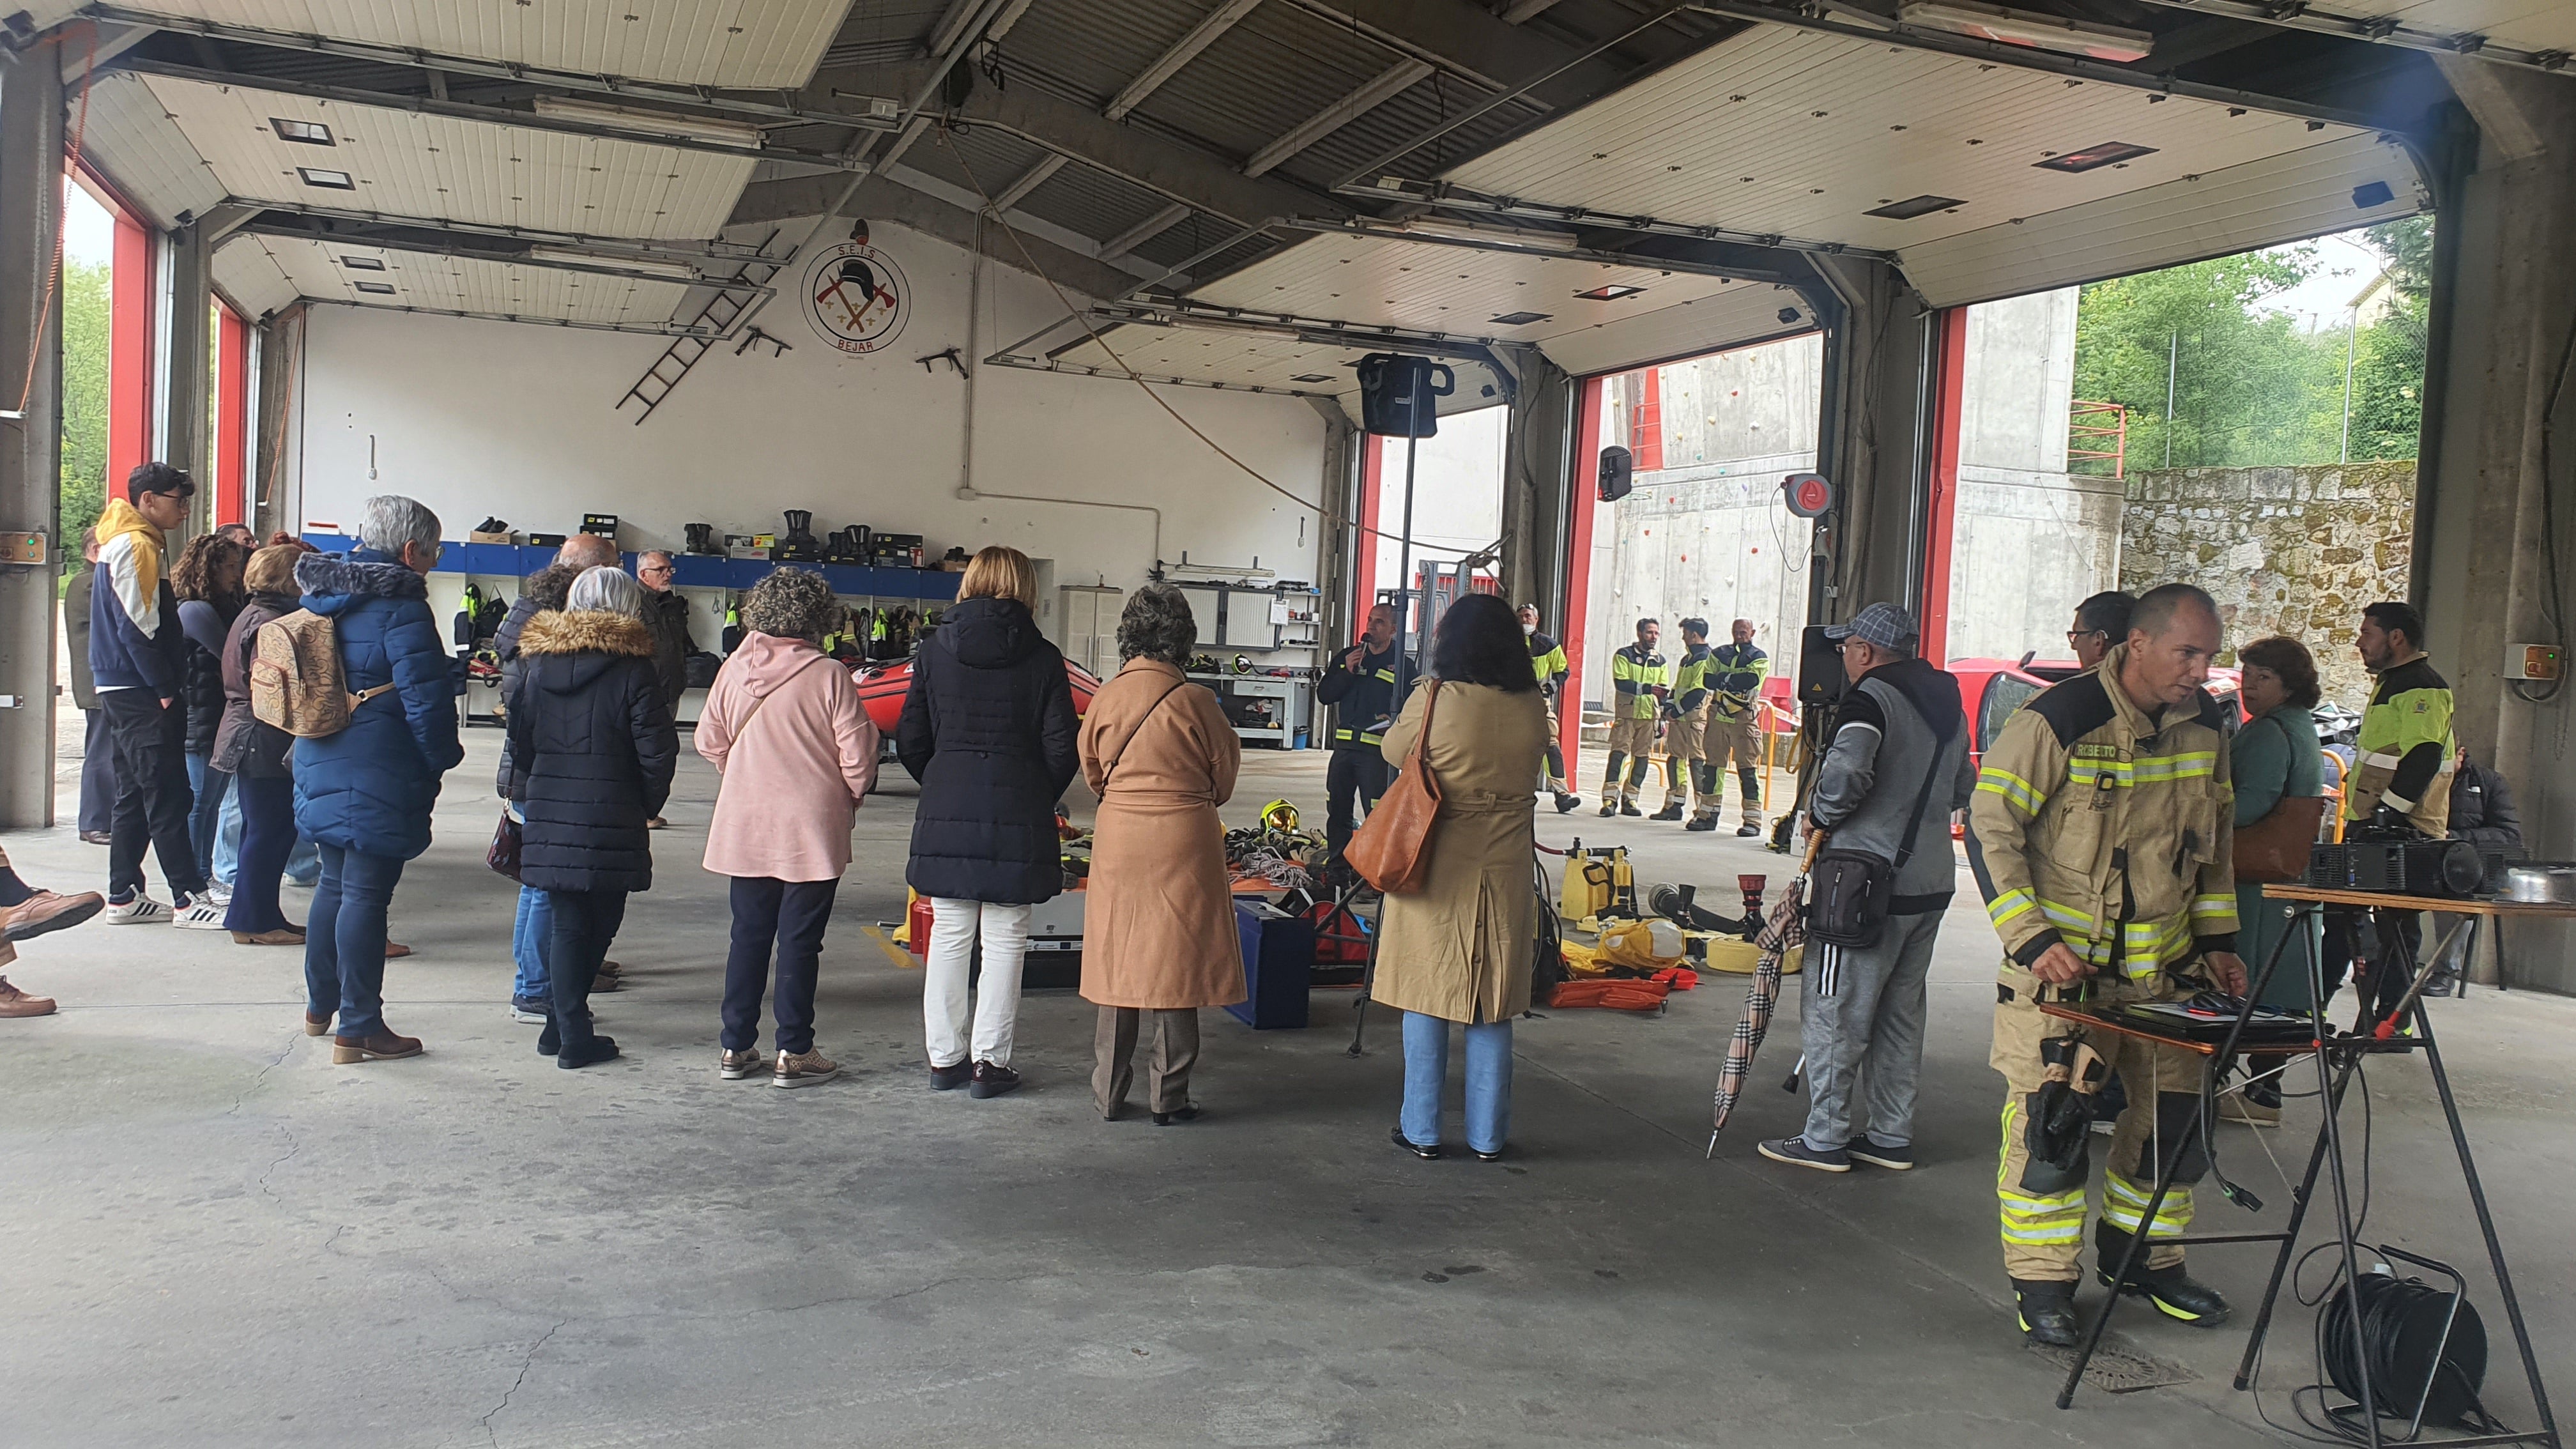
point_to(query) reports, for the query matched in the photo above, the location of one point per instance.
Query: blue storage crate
(1278, 966)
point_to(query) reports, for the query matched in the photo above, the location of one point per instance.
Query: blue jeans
(1489, 1080)
(536, 922)
(268, 831)
(208, 783)
(344, 939)
(226, 862)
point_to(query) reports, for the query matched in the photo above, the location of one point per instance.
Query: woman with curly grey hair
(1159, 934)
(783, 727)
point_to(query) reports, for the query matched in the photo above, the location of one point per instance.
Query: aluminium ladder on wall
(713, 322)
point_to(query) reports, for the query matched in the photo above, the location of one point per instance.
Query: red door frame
(1372, 475)
(1949, 384)
(1582, 500)
(131, 305)
(232, 417)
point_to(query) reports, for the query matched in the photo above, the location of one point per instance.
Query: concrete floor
(215, 1237)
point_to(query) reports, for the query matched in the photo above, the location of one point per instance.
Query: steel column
(31, 377)
(229, 469)
(1941, 514)
(1582, 502)
(185, 364)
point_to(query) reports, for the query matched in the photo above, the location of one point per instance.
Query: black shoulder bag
(1850, 889)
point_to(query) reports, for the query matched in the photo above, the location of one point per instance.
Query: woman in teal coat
(2276, 756)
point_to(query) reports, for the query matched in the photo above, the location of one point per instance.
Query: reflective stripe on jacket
(1691, 681)
(1635, 672)
(2405, 747)
(2095, 826)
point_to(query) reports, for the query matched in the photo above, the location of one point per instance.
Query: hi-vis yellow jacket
(2098, 827)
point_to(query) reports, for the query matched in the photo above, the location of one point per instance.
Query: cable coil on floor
(2403, 1323)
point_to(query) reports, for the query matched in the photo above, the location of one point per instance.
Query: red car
(1993, 688)
(883, 684)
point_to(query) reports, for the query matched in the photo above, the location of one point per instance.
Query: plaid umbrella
(1785, 928)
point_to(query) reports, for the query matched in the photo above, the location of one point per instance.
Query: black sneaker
(601, 1049)
(2047, 1312)
(993, 1081)
(1796, 1152)
(1894, 1159)
(2175, 1293)
(1428, 1153)
(949, 1079)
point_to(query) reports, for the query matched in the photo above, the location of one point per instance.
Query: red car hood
(883, 684)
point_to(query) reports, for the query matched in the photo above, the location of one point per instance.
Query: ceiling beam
(1143, 231)
(1471, 42)
(1170, 169)
(1504, 242)
(601, 268)
(463, 111)
(649, 329)
(1030, 180)
(625, 90)
(1520, 10)
(2198, 40)
(639, 248)
(887, 198)
(1202, 35)
(1375, 92)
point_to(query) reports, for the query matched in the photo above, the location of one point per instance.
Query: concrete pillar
(31, 181)
(2501, 487)
(1538, 456)
(188, 363)
(1878, 367)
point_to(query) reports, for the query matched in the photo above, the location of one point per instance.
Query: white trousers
(954, 926)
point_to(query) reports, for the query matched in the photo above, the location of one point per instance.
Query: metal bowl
(2550, 885)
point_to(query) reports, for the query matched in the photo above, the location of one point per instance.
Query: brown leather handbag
(2276, 848)
(1392, 848)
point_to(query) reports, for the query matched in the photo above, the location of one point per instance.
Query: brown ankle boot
(14, 1002)
(384, 1046)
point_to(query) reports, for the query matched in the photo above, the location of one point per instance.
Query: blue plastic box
(1278, 966)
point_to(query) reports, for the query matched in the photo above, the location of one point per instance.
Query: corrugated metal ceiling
(2524, 24)
(320, 270)
(131, 140)
(409, 164)
(746, 44)
(1789, 132)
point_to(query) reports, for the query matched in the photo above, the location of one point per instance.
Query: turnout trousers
(1631, 740)
(2044, 1206)
(1736, 742)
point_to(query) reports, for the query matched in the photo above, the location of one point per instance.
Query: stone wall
(2295, 551)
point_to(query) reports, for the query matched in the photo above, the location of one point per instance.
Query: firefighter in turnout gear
(1365, 687)
(1736, 672)
(1685, 749)
(1547, 661)
(2101, 834)
(1640, 682)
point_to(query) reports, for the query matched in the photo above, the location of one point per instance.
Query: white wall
(476, 418)
(1457, 491)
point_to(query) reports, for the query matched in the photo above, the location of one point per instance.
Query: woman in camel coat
(1159, 935)
(1459, 949)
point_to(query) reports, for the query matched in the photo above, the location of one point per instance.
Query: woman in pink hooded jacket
(784, 727)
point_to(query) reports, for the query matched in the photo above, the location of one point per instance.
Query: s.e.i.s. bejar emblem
(856, 297)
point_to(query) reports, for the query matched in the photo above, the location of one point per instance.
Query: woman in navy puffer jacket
(364, 794)
(988, 729)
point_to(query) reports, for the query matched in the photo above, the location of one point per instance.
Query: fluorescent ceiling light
(310, 133)
(1314, 377)
(1914, 206)
(627, 118)
(2109, 153)
(2024, 28)
(381, 289)
(1612, 292)
(357, 263)
(676, 271)
(327, 179)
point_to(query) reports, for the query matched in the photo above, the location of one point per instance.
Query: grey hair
(1157, 624)
(607, 587)
(663, 554)
(791, 604)
(389, 520)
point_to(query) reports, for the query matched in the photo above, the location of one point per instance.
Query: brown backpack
(296, 681)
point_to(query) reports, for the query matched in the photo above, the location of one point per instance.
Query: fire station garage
(1267, 356)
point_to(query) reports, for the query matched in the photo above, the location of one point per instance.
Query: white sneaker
(140, 911)
(218, 893)
(199, 913)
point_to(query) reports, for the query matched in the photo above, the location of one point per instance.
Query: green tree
(2388, 355)
(2247, 386)
(85, 294)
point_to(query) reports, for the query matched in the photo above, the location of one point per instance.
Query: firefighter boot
(2047, 1310)
(1751, 802)
(2174, 1292)
(1610, 783)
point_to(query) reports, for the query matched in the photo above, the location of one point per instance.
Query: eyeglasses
(655, 569)
(2075, 637)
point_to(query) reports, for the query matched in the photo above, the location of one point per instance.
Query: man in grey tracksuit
(1899, 725)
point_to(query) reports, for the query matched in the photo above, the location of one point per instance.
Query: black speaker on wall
(1618, 473)
(1820, 668)
(1399, 394)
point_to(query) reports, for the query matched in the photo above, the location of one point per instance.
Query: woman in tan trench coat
(1158, 929)
(1459, 948)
